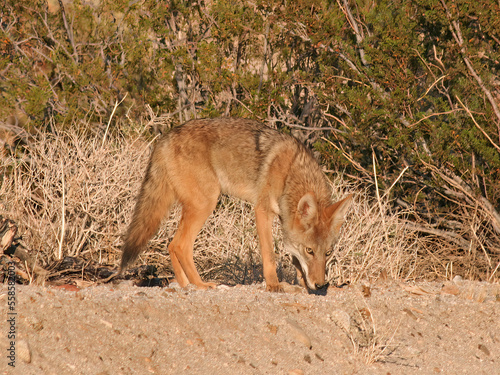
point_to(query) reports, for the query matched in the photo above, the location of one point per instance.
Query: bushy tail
(154, 201)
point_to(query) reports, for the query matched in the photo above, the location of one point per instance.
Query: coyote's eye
(309, 251)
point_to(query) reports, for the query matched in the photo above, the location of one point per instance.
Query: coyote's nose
(320, 286)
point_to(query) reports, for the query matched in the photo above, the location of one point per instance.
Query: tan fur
(196, 162)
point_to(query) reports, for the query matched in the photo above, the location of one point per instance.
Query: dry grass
(374, 243)
(73, 196)
(370, 342)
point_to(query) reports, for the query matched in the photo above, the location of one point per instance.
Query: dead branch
(69, 31)
(54, 39)
(457, 35)
(433, 115)
(264, 58)
(477, 125)
(450, 236)
(354, 25)
(354, 163)
(430, 87)
(458, 184)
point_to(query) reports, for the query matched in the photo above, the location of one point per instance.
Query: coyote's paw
(275, 288)
(205, 286)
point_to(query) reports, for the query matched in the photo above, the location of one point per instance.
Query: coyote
(196, 162)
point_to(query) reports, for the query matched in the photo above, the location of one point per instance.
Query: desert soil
(384, 328)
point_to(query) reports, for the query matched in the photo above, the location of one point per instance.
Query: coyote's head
(309, 236)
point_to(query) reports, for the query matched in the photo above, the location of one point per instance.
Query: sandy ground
(389, 327)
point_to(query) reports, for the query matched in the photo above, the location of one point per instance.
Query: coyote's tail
(154, 201)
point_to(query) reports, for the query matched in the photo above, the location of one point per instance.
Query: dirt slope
(392, 328)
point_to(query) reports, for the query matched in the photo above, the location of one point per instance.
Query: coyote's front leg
(264, 220)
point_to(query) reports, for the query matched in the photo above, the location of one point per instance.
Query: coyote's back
(196, 162)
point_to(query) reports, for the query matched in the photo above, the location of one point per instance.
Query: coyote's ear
(336, 213)
(307, 209)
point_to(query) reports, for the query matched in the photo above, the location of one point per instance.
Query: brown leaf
(414, 289)
(484, 349)
(299, 306)
(450, 288)
(68, 287)
(24, 351)
(365, 313)
(8, 230)
(272, 328)
(365, 289)
(410, 313)
(299, 334)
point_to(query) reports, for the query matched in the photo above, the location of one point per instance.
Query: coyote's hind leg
(181, 247)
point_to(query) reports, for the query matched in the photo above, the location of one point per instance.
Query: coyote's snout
(196, 162)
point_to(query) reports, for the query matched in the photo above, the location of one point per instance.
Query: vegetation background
(399, 99)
